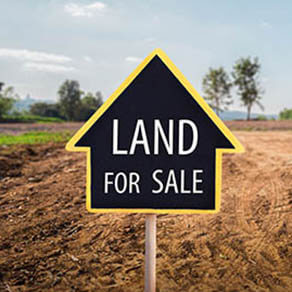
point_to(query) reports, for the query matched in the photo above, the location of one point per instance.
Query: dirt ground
(49, 242)
(20, 128)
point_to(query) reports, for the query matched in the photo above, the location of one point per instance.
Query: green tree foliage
(70, 99)
(216, 86)
(286, 114)
(91, 100)
(89, 104)
(246, 79)
(261, 118)
(73, 106)
(7, 99)
(44, 109)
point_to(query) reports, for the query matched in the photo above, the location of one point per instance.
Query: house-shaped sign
(155, 146)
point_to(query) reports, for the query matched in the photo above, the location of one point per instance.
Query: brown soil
(20, 128)
(49, 242)
(260, 125)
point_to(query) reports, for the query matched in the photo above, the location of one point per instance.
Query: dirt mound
(49, 242)
(14, 157)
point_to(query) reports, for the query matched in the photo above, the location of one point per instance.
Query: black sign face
(155, 145)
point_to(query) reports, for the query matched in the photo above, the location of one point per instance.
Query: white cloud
(33, 56)
(87, 59)
(133, 59)
(79, 10)
(45, 67)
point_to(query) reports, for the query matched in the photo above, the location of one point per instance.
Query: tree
(216, 87)
(99, 98)
(246, 78)
(89, 105)
(70, 99)
(286, 114)
(7, 99)
(44, 109)
(93, 101)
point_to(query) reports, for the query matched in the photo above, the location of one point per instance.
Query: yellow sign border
(70, 146)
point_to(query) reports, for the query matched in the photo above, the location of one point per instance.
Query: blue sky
(99, 43)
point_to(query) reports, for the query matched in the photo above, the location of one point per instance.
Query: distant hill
(238, 115)
(24, 104)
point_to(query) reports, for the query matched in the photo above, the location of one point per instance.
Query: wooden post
(150, 253)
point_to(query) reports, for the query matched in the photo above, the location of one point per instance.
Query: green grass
(30, 119)
(34, 138)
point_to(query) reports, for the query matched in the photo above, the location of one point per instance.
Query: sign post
(154, 146)
(150, 253)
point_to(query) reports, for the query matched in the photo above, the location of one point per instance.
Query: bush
(44, 109)
(261, 118)
(23, 118)
(285, 114)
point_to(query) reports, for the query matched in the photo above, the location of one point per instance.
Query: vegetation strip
(35, 138)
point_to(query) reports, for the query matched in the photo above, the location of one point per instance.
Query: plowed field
(49, 242)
